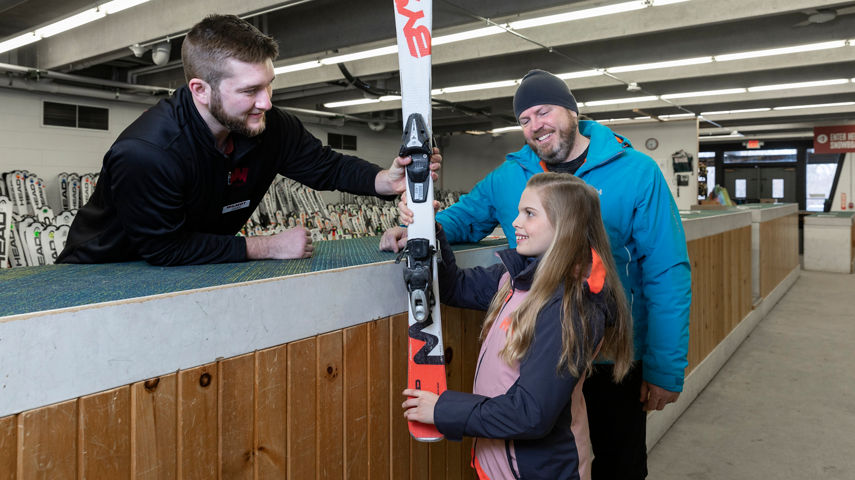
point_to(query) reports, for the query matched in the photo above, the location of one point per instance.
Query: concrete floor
(783, 406)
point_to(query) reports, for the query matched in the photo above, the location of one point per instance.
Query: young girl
(553, 304)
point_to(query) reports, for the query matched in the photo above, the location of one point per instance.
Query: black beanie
(542, 88)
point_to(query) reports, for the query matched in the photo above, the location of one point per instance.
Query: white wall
(26, 144)
(845, 186)
(466, 159)
(672, 137)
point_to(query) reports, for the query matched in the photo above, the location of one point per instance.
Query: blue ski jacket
(645, 232)
(529, 418)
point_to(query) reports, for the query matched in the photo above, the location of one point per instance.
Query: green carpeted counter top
(50, 287)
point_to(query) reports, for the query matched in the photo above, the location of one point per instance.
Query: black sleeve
(146, 187)
(466, 288)
(320, 167)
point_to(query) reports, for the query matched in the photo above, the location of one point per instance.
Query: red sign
(754, 144)
(840, 139)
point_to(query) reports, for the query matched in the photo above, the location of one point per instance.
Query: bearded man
(182, 179)
(647, 242)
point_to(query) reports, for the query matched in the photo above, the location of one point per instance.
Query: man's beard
(559, 154)
(232, 123)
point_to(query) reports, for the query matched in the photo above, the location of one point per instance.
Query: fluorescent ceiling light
(642, 118)
(780, 51)
(18, 42)
(667, 64)
(374, 52)
(786, 86)
(478, 86)
(297, 67)
(706, 93)
(611, 120)
(578, 15)
(730, 135)
(818, 105)
(73, 21)
(614, 101)
(389, 98)
(676, 115)
(580, 74)
(118, 5)
(659, 3)
(350, 103)
(468, 35)
(732, 112)
(506, 129)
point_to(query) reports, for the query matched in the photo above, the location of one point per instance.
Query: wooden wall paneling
(695, 309)
(302, 414)
(730, 270)
(400, 438)
(48, 442)
(330, 407)
(452, 327)
(237, 417)
(271, 377)
(9, 447)
(105, 434)
(356, 398)
(715, 328)
(748, 300)
(153, 428)
(198, 420)
(381, 400)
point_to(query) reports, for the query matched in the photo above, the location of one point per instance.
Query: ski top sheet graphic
(426, 361)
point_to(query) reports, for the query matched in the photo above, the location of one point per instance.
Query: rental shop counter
(267, 368)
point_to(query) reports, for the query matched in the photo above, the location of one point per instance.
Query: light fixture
(467, 35)
(18, 42)
(781, 51)
(349, 57)
(734, 112)
(506, 129)
(477, 86)
(615, 101)
(160, 53)
(787, 86)
(673, 116)
(118, 5)
(666, 64)
(296, 67)
(73, 21)
(68, 23)
(705, 93)
(350, 103)
(578, 15)
(817, 105)
(579, 74)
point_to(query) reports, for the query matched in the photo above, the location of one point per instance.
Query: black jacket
(167, 195)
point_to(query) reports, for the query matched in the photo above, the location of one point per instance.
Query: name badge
(235, 206)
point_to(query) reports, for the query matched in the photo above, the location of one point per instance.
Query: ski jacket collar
(520, 268)
(605, 147)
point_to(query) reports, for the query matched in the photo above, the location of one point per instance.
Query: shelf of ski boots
(288, 204)
(31, 234)
(27, 220)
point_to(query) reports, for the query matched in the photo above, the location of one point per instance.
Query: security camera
(160, 53)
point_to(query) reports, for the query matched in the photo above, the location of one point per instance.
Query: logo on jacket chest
(237, 177)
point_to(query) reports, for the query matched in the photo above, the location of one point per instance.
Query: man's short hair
(219, 37)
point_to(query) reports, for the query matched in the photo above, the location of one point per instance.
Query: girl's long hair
(573, 208)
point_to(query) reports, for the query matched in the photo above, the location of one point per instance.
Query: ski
(426, 359)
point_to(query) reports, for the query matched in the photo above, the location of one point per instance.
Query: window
(341, 142)
(75, 116)
(761, 156)
(819, 175)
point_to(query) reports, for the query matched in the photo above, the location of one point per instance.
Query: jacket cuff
(670, 382)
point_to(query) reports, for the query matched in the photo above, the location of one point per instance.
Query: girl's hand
(419, 407)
